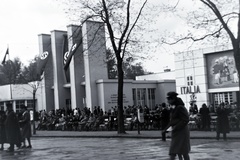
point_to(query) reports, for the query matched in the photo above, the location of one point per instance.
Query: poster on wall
(221, 70)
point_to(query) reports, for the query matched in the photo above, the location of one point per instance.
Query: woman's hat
(172, 94)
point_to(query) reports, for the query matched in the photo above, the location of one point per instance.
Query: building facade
(207, 76)
(21, 94)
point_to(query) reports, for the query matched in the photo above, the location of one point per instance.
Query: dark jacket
(12, 129)
(222, 120)
(180, 143)
(2, 128)
(25, 125)
(165, 117)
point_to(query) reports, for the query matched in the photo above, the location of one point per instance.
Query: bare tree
(120, 23)
(31, 77)
(215, 21)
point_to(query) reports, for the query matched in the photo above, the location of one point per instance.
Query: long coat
(25, 125)
(180, 143)
(222, 120)
(12, 129)
(3, 138)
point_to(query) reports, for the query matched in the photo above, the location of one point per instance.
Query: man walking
(180, 143)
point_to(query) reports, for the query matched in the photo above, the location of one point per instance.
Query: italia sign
(190, 89)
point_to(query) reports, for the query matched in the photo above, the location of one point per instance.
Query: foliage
(30, 72)
(14, 72)
(10, 72)
(130, 70)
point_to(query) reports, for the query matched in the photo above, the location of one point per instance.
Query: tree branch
(138, 16)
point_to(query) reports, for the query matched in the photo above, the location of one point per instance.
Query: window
(223, 97)
(18, 104)
(189, 80)
(151, 98)
(134, 96)
(30, 104)
(1, 106)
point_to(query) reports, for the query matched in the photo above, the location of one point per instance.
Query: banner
(68, 56)
(65, 57)
(42, 61)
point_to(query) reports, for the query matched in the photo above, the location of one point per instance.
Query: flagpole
(8, 53)
(11, 76)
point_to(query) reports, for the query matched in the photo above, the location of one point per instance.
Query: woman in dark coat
(205, 117)
(12, 129)
(180, 143)
(3, 138)
(222, 121)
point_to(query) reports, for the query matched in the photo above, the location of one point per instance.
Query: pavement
(150, 134)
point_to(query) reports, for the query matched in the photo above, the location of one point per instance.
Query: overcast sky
(22, 21)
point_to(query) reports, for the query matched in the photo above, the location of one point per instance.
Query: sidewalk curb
(130, 134)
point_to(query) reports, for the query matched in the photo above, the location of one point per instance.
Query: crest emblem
(44, 55)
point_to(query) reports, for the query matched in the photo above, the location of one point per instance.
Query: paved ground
(71, 145)
(119, 149)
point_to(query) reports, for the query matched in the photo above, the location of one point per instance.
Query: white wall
(191, 63)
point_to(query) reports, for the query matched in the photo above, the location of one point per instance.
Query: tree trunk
(121, 129)
(236, 52)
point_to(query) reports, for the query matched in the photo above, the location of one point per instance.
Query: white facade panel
(179, 65)
(188, 63)
(180, 82)
(189, 72)
(199, 71)
(200, 79)
(198, 62)
(179, 73)
(178, 56)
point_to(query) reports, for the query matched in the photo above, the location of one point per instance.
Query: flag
(4, 59)
(42, 61)
(65, 56)
(68, 56)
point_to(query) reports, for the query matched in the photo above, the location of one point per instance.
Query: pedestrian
(222, 121)
(205, 117)
(3, 138)
(178, 125)
(165, 118)
(25, 127)
(12, 128)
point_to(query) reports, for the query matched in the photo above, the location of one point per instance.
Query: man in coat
(12, 128)
(223, 121)
(178, 125)
(3, 138)
(25, 126)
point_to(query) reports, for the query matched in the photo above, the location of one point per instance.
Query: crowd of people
(221, 118)
(85, 119)
(202, 118)
(15, 129)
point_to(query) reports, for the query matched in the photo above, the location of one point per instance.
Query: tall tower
(94, 50)
(76, 67)
(47, 82)
(61, 94)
